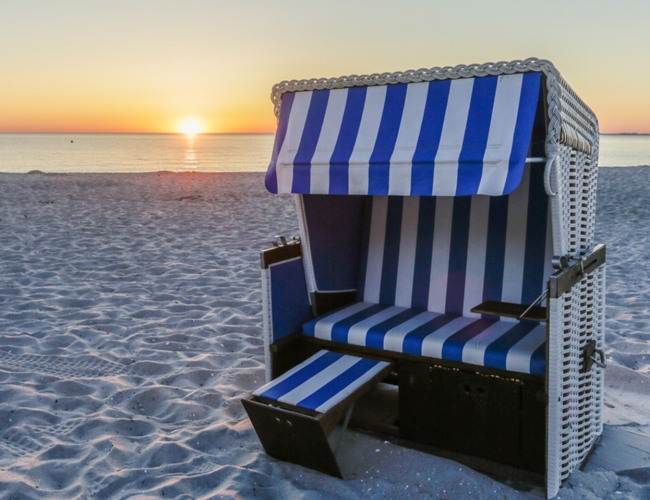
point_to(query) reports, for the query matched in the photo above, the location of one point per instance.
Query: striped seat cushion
(323, 381)
(518, 347)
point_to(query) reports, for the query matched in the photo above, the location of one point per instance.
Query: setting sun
(190, 127)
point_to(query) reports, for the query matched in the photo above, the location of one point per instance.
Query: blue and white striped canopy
(442, 138)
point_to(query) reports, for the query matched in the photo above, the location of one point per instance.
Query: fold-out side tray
(510, 310)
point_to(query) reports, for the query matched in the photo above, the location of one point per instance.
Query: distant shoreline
(634, 134)
(628, 133)
(258, 173)
(134, 133)
(131, 153)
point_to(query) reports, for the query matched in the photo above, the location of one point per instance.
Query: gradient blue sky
(145, 65)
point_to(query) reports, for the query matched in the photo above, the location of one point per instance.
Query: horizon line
(218, 133)
(140, 133)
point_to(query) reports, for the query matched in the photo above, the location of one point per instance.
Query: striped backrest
(449, 254)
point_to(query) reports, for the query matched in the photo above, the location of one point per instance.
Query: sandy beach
(130, 329)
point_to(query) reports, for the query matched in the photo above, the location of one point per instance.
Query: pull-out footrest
(294, 414)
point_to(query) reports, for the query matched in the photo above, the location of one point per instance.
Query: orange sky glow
(75, 66)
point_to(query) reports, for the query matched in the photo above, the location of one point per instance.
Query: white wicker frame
(575, 398)
(576, 318)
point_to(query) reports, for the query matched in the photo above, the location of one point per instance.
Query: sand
(130, 329)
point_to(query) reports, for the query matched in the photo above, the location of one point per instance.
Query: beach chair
(446, 257)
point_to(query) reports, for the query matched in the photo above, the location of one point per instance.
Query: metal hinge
(593, 356)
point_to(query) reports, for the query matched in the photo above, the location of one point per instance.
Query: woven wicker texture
(576, 318)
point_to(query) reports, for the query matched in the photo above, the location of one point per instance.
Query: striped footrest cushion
(512, 346)
(323, 381)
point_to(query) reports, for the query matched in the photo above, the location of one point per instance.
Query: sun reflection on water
(190, 160)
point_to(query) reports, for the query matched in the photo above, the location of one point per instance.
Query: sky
(147, 65)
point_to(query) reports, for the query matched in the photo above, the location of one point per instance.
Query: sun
(191, 126)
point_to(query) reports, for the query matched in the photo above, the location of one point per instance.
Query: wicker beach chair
(446, 247)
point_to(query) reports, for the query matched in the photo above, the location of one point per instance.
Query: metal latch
(281, 241)
(593, 356)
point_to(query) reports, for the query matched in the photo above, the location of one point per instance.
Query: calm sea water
(205, 152)
(135, 152)
(624, 150)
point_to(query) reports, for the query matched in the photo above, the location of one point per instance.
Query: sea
(76, 153)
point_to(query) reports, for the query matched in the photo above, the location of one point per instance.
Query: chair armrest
(280, 253)
(510, 310)
(564, 279)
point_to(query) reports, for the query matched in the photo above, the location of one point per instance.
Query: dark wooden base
(495, 418)
(492, 420)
